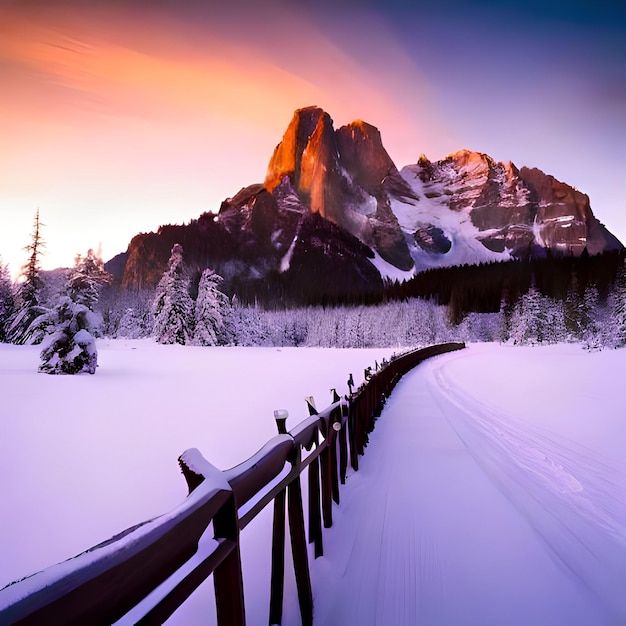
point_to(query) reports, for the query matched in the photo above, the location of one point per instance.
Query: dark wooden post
(299, 551)
(332, 442)
(360, 417)
(227, 577)
(327, 486)
(343, 454)
(315, 518)
(278, 560)
(277, 581)
(354, 456)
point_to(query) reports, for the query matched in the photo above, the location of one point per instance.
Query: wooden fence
(157, 563)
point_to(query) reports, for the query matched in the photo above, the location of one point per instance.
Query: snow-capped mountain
(335, 213)
(463, 209)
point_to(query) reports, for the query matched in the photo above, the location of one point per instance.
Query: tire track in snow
(573, 497)
(382, 569)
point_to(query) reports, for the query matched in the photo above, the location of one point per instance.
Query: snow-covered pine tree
(244, 325)
(7, 302)
(86, 279)
(572, 306)
(554, 319)
(173, 306)
(135, 323)
(209, 312)
(528, 322)
(31, 285)
(615, 321)
(70, 347)
(591, 316)
(126, 313)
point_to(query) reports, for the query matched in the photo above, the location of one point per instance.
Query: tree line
(66, 320)
(525, 302)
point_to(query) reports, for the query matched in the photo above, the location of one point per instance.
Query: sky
(119, 116)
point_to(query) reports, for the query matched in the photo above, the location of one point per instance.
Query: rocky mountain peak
(346, 176)
(307, 155)
(363, 156)
(305, 132)
(337, 194)
(468, 158)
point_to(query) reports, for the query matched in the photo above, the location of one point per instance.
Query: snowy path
(463, 513)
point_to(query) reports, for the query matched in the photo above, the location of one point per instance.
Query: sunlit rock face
(346, 176)
(307, 155)
(337, 196)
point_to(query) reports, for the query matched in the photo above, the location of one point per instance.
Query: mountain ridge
(465, 208)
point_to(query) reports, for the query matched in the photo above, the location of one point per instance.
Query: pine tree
(24, 327)
(30, 288)
(209, 311)
(7, 302)
(539, 319)
(126, 313)
(70, 347)
(591, 319)
(572, 308)
(135, 323)
(617, 308)
(554, 319)
(86, 279)
(173, 306)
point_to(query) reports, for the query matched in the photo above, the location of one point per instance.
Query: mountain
(335, 216)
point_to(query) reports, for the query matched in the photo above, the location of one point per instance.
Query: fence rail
(154, 566)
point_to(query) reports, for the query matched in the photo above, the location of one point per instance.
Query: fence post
(299, 551)
(277, 580)
(332, 441)
(227, 577)
(352, 436)
(315, 519)
(343, 453)
(327, 484)
(278, 560)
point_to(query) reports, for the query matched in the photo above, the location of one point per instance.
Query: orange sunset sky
(116, 117)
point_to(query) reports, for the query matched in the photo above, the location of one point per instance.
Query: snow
(389, 271)
(455, 224)
(84, 457)
(285, 262)
(492, 490)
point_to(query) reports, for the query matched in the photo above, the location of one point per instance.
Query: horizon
(125, 116)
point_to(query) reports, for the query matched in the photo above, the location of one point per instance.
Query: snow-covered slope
(439, 224)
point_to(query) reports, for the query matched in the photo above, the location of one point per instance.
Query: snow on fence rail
(153, 567)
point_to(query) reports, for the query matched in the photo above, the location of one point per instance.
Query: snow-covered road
(467, 511)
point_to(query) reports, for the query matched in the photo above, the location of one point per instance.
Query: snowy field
(83, 457)
(493, 490)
